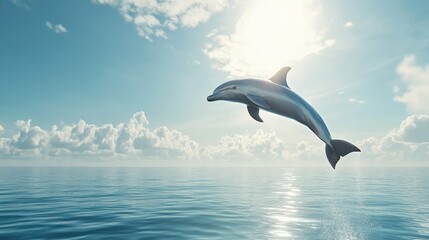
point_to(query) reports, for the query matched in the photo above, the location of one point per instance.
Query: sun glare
(269, 35)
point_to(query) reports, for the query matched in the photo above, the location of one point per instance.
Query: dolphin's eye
(234, 87)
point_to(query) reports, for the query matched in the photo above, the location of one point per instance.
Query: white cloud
(58, 28)
(78, 138)
(212, 33)
(22, 3)
(267, 36)
(5, 147)
(408, 142)
(355, 100)
(134, 140)
(131, 140)
(414, 128)
(173, 139)
(260, 145)
(416, 78)
(29, 137)
(4, 143)
(154, 17)
(348, 24)
(265, 146)
(49, 25)
(306, 151)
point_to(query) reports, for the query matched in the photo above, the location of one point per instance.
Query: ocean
(213, 203)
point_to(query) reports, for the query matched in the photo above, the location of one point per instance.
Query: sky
(127, 80)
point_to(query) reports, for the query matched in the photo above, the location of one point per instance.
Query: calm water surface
(214, 203)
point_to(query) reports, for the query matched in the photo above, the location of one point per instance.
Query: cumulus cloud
(260, 145)
(348, 24)
(305, 151)
(410, 141)
(58, 28)
(132, 139)
(416, 78)
(154, 17)
(173, 139)
(414, 128)
(1, 128)
(5, 146)
(268, 35)
(29, 137)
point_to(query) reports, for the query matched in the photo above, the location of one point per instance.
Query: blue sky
(363, 65)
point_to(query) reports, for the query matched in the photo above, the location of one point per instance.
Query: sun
(269, 35)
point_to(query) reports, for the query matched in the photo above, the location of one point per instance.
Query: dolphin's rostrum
(275, 96)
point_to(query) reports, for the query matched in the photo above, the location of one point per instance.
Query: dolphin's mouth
(213, 97)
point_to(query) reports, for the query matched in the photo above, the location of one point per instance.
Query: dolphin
(276, 96)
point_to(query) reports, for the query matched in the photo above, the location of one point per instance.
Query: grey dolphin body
(275, 96)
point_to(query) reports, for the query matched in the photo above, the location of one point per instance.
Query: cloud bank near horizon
(134, 140)
(408, 142)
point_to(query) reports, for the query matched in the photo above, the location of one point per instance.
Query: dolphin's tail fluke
(340, 148)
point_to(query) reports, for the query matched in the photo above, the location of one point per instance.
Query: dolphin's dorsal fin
(280, 77)
(254, 113)
(258, 101)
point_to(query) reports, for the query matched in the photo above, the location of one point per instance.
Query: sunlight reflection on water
(286, 218)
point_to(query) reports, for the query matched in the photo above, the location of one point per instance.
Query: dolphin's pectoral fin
(254, 113)
(258, 101)
(280, 77)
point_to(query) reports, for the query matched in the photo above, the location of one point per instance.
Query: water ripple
(211, 203)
